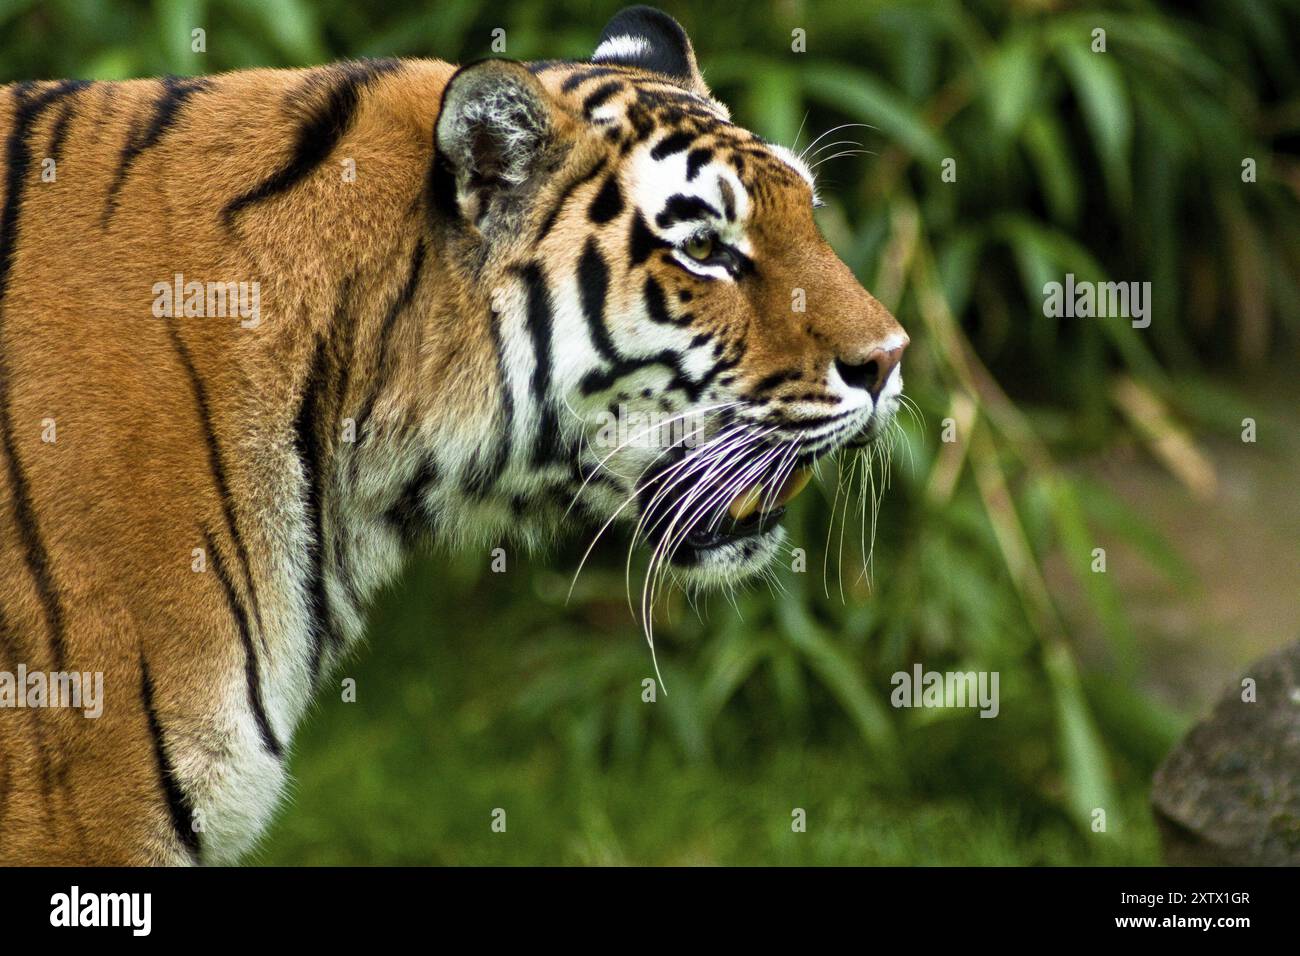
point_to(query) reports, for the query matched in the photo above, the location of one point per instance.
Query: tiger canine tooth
(796, 483)
(746, 503)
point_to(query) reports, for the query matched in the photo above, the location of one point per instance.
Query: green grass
(432, 804)
(442, 734)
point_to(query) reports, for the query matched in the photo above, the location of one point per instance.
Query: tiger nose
(872, 372)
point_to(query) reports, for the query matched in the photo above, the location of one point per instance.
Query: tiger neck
(407, 422)
(411, 427)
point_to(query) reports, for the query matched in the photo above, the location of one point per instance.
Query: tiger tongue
(747, 502)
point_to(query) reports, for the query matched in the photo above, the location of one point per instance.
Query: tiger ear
(650, 39)
(494, 130)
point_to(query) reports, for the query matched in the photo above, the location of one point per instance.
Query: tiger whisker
(703, 501)
(636, 491)
(845, 152)
(831, 131)
(838, 142)
(668, 544)
(830, 530)
(733, 485)
(717, 456)
(602, 463)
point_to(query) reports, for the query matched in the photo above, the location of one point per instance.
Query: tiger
(265, 333)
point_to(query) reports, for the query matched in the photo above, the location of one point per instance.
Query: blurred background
(1170, 157)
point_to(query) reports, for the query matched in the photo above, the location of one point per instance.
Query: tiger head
(690, 343)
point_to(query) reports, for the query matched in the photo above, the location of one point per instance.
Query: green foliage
(484, 691)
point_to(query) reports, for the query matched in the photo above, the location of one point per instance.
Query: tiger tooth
(746, 503)
(796, 483)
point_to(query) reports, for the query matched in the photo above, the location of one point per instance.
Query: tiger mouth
(709, 539)
(754, 513)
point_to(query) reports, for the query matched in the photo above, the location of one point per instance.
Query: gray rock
(1229, 792)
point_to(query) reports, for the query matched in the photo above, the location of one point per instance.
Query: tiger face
(709, 345)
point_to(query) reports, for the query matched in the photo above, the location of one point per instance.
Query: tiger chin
(408, 301)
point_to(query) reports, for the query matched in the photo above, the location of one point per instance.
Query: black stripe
(608, 202)
(307, 445)
(542, 66)
(819, 398)
(384, 368)
(482, 475)
(769, 382)
(60, 132)
(644, 124)
(571, 83)
(252, 676)
(442, 188)
(178, 802)
(166, 110)
(564, 198)
(657, 305)
(718, 368)
(601, 95)
(672, 144)
(682, 208)
(593, 288)
(317, 137)
(745, 266)
(344, 352)
(728, 199)
(547, 446)
(599, 381)
(642, 241)
(17, 160)
(344, 330)
(696, 161)
(216, 465)
(407, 514)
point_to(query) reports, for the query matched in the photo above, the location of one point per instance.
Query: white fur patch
(654, 181)
(895, 341)
(625, 47)
(798, 165)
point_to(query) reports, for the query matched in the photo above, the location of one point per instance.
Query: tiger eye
(699, 247)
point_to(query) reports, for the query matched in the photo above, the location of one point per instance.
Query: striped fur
(437, 338)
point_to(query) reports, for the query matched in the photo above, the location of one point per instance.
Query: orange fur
(177, 434)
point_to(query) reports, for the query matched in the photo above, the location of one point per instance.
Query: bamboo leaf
(1087, 776)
(1100, 88)
(843, 679)
(1010, 76)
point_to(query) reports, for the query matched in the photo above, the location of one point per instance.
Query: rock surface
(1229, 792)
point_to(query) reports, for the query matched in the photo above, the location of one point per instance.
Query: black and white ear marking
(494, 128)
(650, 39)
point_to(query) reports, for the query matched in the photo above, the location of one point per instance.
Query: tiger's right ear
(495, 127)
